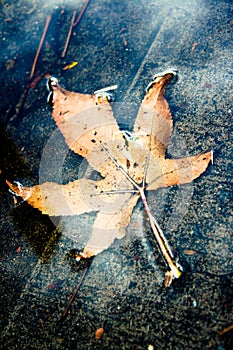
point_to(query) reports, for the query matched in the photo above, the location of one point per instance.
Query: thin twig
(69, 35)
(40, 46)
(23, 97)
(20, 104)
(74, 294)
(225, 330)
(72, 25)
(116, 192)
(81, 13)
(119, 166)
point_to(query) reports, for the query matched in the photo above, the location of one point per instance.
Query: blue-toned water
(123, 43)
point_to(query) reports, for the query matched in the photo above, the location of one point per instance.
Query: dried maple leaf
(128, 163)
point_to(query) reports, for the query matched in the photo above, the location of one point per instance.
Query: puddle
(126, 44)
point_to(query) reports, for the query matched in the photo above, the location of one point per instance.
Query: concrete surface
(123, 42)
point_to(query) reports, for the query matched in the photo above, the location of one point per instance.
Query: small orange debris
(189, 252)
(122, 30)
(19, 249)
(71, 65)
(9, 64)
(15, 200)
(125, 42)
(168, 278)
(194, 45)
(225, 330)
(99, 333)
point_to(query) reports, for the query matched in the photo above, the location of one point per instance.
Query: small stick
(225, 330)
(72, 25)
(82, 12)
(74, 294)
(20, 104)
(40, 46)
(69, 35)
(23, 97)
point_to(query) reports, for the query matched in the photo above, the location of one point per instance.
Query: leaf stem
(161, 240)
(176, 269)
(120, 167)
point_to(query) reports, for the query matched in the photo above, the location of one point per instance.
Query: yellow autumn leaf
(71, 65)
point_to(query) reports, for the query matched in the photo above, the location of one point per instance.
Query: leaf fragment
(189, 252)
(170, 172)
(99, 333)
(70, 66)
(9, 64)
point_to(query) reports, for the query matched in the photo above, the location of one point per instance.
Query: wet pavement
(124, 43)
